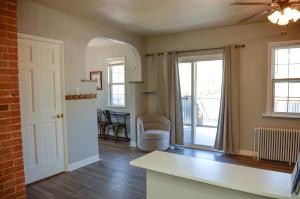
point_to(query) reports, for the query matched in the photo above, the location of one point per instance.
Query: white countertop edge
(224, 185)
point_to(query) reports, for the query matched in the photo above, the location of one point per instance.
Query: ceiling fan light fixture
(296, 15)
(280, 12)
(283, 20)
(274, 17)
(292, 14)
(289, 12)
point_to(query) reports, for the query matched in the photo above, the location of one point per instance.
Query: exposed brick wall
(11, 156)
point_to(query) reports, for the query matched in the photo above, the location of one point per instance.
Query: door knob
(59, 116)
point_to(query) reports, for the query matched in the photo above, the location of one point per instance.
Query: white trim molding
(270, 84)
(82, 163)
(282, 116)
(38, 38)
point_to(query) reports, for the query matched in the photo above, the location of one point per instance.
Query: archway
(99, 50)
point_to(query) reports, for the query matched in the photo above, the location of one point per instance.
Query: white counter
(244, 179)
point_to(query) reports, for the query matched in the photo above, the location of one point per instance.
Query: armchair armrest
(166, 123)
(140, 129)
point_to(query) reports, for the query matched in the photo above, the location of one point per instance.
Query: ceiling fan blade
(250, 3)
(295, 2)
(255, 15)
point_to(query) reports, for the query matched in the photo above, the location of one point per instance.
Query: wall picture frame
(97, 75)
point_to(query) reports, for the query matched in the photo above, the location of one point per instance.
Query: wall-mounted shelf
(88, 80)
(136, 82)
(149, 91)
(80, 97)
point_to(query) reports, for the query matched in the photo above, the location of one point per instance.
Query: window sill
(284, 116)
(115, 106)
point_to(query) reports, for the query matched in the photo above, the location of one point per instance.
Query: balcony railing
(207, 111)
(291, 104)
(186, 103)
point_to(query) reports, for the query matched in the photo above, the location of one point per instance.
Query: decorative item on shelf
(97, 75)
(78, 97)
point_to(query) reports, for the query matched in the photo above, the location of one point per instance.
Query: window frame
(110, 84)
(271, 81)
(193, 59)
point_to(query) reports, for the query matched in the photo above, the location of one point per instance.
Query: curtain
(174, 94)
(168, 93)
(227, 138)
(161, 84)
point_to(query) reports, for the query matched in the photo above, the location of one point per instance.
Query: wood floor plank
(114, 178)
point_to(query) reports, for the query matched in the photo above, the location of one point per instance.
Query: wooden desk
(177, 176)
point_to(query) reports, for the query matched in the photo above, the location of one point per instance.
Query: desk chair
(115, 126)
(102, 122)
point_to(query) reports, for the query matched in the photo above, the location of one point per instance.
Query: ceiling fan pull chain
(283, 30)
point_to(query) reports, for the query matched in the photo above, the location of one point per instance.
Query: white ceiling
(152, 17)
(100, 42)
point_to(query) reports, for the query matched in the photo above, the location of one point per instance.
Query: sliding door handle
(59, 115)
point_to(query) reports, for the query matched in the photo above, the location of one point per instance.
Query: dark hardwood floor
(235, 159)
(110, 178)
(114, 178)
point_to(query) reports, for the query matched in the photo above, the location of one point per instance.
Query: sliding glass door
(201, 83)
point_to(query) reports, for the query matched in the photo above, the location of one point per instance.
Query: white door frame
(192, 60)
(62, 80)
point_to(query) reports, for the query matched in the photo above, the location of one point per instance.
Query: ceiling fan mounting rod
(285, 5)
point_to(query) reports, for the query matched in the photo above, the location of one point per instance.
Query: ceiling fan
(280, 12)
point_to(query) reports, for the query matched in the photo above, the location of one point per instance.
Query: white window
(284, 86)
(116, 81)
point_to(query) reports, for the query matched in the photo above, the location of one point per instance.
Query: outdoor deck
(204, 136)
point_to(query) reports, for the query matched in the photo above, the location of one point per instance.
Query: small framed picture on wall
(97, 75)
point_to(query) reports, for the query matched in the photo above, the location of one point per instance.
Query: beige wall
(253, 71)
(76, 33)
(96, 61)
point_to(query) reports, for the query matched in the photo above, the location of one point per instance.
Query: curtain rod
(196, 50)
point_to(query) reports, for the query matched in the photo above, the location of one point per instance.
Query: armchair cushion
(153, 125)
(155, 121)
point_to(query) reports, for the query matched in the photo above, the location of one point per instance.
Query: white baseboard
(132, 143)
(246, 153)
(82, 163)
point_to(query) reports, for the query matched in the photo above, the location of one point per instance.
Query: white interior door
(40, 99)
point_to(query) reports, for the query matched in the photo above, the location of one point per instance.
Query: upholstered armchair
(153, 132)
